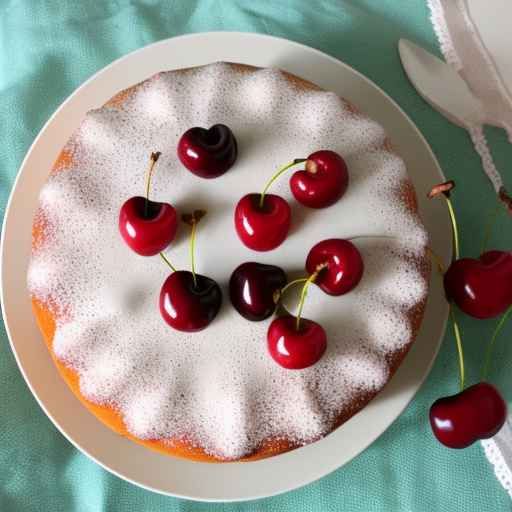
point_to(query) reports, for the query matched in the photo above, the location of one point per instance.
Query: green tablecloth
(49, 48)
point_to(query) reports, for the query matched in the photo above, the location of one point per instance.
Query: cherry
(189, 304)
(252, 289)
(477, 412)
(482, 287)
(147, 227)
(262, 227)
(262, 221)
(294, 348)
(147, 231)
(208, 153)
(343, 265)
(294, 342)
(323, 182)
(189, 301)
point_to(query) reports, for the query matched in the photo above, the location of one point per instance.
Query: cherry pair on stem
(256, 290)
(262, 221)
(188, 301)
(481, 288)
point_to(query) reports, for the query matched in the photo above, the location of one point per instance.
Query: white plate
(202, 481)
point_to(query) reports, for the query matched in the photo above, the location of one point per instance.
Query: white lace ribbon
(499, 452)
(480, 143)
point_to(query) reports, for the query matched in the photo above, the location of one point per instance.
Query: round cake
(217, 395)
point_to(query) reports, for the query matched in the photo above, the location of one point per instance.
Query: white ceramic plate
(202, 481)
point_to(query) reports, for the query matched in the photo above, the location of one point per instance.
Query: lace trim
(497, 456)
(480, 142)
(443, 34)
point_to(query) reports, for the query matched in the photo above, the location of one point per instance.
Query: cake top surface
(219, 388)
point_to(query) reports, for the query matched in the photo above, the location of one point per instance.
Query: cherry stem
(490, 225)
(490, 345)
(171, 266)
(153, 160)
(456, 328)
(192, 219)
(458, 341)
(304, 292)
(455, 228)
(276, 175)
(292, 283)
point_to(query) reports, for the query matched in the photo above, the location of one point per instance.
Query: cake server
(445, 90)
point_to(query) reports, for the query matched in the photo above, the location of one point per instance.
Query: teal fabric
(49, 48)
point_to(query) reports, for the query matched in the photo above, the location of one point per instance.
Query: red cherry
(150, 231)
(188, 306)
(252, 287)
(482, 288)
(208, 153)
(344, 265)
(478, 412)
(323, 182)
(262, 228)
(296, 349)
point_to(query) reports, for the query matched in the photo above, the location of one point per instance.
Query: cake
(216, 395)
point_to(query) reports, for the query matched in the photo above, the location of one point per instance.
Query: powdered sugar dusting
(218, 388)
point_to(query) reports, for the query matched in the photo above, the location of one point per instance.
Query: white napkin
(488, 73)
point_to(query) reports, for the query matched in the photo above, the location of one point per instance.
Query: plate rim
(22, 169)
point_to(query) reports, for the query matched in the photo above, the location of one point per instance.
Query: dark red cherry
(147, 231)
(208, 153)
(323, 182)
(262, 228)
(296, 349)
(459, 420)
(482, 287)
(188, 306)
(344, 265)
(252, 287)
